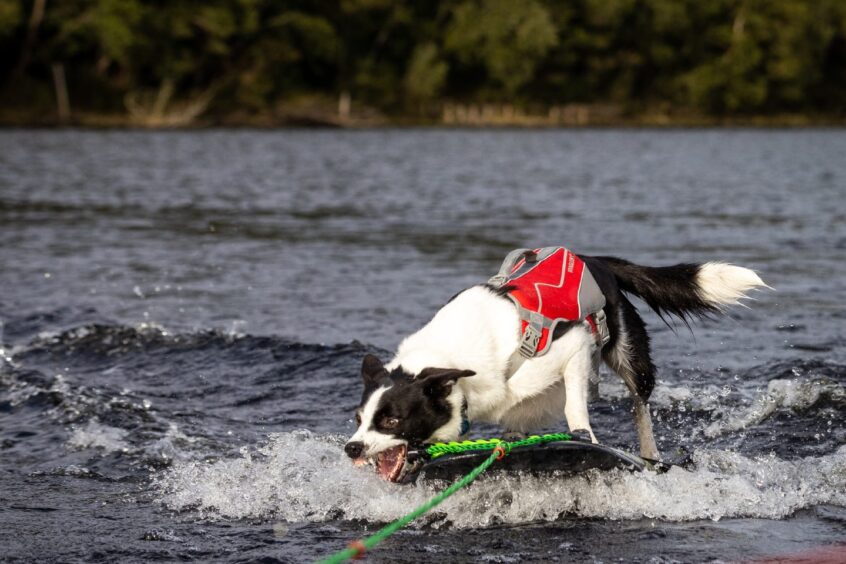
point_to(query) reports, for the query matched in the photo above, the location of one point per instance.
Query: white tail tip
(722, 284)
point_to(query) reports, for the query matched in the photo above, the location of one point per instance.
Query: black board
(562, 458)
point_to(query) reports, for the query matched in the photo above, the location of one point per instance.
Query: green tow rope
(440, 449)
(500, 449)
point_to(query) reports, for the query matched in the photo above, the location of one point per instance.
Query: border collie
(462, 367)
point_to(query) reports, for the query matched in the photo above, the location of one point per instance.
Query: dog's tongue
(390, 462)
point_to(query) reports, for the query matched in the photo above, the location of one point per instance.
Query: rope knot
(503, 449)
(359, 549)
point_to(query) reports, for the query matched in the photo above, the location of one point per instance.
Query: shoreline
(623, 125)
(467, 118)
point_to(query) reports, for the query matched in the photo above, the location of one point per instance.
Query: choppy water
(183, 316)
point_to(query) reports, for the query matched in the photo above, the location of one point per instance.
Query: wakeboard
(561, 458)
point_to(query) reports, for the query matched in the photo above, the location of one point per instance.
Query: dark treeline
(176, 62)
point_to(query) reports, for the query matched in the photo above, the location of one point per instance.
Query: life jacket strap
(601, 322)
(530, 340)
(508, 264)
(598, 324)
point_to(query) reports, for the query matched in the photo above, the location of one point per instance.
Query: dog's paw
(511, 436)
(583, 435)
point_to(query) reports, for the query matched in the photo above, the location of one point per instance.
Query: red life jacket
(550, 285)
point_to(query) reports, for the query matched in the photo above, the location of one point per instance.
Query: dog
(463, 366)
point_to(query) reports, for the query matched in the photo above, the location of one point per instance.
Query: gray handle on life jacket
(511, 259)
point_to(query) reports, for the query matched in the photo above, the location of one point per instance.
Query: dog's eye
(389, 423)
(358, 419)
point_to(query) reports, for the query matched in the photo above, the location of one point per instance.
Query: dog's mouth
(389, 463)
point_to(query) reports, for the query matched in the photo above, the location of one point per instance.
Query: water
(183, 315)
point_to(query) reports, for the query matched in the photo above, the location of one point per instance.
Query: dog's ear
(372, 369)
(438, 382)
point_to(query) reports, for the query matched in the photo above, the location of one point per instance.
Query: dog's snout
(354, 449)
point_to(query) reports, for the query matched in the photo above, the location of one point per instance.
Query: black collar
(465, 423)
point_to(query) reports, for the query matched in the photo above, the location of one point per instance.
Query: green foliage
(104, 28)
(426, 73)
(11, 17)
(719, 57)
(507, 38)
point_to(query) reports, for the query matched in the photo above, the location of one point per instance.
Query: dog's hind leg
(643, 423)
(629, 357)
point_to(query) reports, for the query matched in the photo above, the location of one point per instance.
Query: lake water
(183, 315)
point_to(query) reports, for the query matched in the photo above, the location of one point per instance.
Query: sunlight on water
(303, 477)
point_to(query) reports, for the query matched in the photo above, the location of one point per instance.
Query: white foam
(796, 394)
(303, 477)
(173, 445)
(700, 397)
(97, 435)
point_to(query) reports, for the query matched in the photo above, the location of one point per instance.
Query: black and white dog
(461, 365)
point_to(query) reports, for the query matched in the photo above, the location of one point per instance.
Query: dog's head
(399, 409)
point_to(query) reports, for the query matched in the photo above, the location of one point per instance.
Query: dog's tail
(685, 290)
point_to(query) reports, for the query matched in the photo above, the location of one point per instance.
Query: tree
(507, 38)
(426, 74)
(166, 60)
(768, 55)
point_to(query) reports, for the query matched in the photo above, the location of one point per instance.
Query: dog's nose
(353, 449)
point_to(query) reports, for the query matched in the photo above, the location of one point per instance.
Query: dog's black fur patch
(666, 289)
(419, 402)
(374, 375)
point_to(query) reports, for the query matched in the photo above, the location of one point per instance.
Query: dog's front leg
(533, 378)
(577, 373)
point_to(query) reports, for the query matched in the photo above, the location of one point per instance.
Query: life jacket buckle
(604, 335)
(529, 342)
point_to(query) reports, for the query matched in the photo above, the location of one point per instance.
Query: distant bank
(449, 115)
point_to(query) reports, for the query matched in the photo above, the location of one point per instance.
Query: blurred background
(462, 62)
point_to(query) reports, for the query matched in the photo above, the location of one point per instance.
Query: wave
(807, 391)
(185, 410)
(300, 476)
(156, 396)
(796, 395)
(96, 435)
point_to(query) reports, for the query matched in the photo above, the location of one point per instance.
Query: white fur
(722, 284)
(480, 331)
(374, 441)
